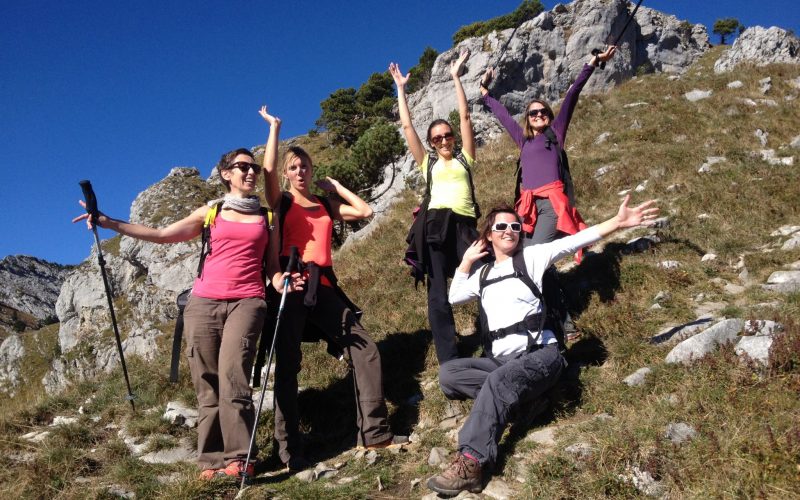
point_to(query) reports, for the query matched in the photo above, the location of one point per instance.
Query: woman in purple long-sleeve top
(544, 207)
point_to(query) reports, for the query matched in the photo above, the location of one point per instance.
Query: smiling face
(441, 138)
(504, 242)
(240, 181)
(538, 116)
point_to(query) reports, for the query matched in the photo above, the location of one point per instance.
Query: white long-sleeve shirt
(510, 301)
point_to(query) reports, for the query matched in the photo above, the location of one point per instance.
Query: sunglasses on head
(246, 166)
(438, 139)
(537, 111)
(502, 226)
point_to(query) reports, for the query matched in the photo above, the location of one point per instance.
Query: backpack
(415, 252)
(183, 297)
(563, 168)
(546, 319)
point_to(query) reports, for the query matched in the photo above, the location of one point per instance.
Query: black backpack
(547, 319)
(563, 168)
(183, 297)
(415, 252)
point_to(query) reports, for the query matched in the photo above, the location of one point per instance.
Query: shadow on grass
(328, 415)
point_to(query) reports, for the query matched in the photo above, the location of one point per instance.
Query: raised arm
(547, 253)
(183, 230)
(561, 122)
(353, 208)
(414, 143)
(499, 111)
(467, 134)
(272, 188)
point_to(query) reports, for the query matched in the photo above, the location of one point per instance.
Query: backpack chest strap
(532, 322)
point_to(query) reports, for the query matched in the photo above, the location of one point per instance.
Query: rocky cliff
(30, 286)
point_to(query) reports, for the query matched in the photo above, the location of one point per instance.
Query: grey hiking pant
(497, 386)
(339, 324)
(221, 337)
(546, 221)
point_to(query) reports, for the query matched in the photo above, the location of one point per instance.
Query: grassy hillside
(746, 419)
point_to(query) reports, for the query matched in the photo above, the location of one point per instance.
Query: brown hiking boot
(462, 474)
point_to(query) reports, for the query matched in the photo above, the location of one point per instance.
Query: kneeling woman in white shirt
(522, 359)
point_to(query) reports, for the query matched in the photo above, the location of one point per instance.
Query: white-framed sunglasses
(499, 227)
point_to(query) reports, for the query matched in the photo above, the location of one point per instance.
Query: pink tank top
(233, 268)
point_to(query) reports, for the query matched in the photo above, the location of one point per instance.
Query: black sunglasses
(438, 139)
(246, 166)
(502, 226)
(538, 111)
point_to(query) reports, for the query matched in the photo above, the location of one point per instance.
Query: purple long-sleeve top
(540, 164)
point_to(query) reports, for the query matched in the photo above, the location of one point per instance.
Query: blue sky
(120, 92)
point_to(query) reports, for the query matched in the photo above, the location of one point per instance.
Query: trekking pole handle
(90, 198)
(292, 260)
(600, 64)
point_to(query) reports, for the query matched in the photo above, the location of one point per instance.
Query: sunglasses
(538, 111)
(438, 139)
(246, 166)
(499, 227)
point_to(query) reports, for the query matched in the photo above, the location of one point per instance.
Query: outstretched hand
(642, 215)
(457, 66)
(488, 76)
(397, 75)
(88, 217)
(272, 120)
(608, 54)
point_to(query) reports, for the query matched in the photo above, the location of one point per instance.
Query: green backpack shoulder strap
(205, 242)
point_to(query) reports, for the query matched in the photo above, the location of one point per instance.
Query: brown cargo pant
(221, 344)
(340, 325)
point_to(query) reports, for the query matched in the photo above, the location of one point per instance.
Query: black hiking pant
(441, 262)
(340, 325)
(497, 386)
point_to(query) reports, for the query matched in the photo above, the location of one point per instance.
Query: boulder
(705, 342)
(760, 46)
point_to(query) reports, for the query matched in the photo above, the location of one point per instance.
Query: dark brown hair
(438, 121)
(227, 160)
(486, 230)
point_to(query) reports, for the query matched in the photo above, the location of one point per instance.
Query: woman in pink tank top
(224, 316)
(323, 311)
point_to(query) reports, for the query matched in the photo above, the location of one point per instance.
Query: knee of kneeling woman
(447, 382)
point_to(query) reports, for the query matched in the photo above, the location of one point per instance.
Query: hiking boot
(462, 474)
(237, 469)
(392, 443)
(571, 332)
(208, 474)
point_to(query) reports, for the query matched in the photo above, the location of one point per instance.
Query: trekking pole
(91, 209)
(499, 58)
(289, 268)
(595, 52)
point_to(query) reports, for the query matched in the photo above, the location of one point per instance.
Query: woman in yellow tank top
(451, 218)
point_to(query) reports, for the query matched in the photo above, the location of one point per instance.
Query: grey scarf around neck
(251, 204)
